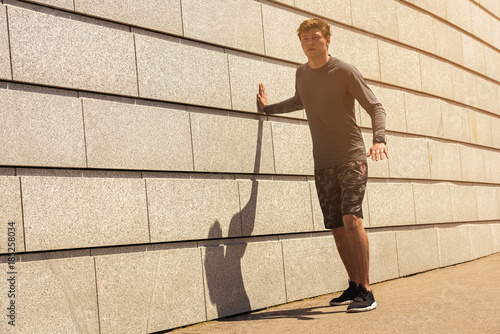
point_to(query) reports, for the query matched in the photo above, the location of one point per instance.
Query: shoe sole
(341, 303)
(364, 309)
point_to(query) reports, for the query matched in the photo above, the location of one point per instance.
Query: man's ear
(327, 41)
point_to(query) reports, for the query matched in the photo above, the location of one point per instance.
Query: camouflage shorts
(341, 189)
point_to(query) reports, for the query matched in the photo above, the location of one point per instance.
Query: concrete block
(208, 21)
(464, 208)
(280, 32)
(432, 203)
(174, 297)
(465, 87)
(336, 10)
(481, 23)
(455, 122)
(65, 4)
(66, 304)
(417, 249)
(346, 43)
(292, 149)
(480, 240)
(480, 128)
(454, 245)
(378, 17)
(275, 207)
(62, 213)
(445, 160)
(409, 157)
(312, 260)
(472, 162)
(436, 7)
(458, 13)
(128, 136)
(447, 40)
(491, 160)
(168, 71)
(41, 130)
(248, 71)
(5, 70)
(158, 15)
(423, 115)
(436, 77)
(375, 168)
(383, 255)
(58, 51)
(242, 277)
(492, 58)
(487, 99)
(487, 203)
(193, 209)
(495, 236)
(495, 32)
(407, 19)
(10, 202)
(390, 203)
(230, 144)
(495, 128)
(394, 104)
(399, 66)
(473, 54)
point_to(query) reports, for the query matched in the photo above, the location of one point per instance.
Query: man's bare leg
(353, 247)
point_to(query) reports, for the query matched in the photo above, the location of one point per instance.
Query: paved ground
(458, 299)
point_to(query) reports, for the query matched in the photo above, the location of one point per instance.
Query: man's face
(313, 43)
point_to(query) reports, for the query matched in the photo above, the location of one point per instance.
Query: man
(326, 87)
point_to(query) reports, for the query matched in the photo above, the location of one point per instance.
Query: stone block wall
(146, 193)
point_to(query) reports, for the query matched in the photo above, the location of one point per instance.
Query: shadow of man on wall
(223, 263)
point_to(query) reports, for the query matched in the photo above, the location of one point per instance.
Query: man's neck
(319, 61)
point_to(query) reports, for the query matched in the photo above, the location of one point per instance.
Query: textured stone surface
(487, 99)
(208, 21)
(318, 221)
(383, 255)
(454, 244)
(376, 16)
(58, 51)
(394, 104)
(292, 149)
(495, 128)
(231, 144)
(432, 203)
(487, 203)
(480, 128)
(66, 4)
(491, 162)
(436, 77)
(481, 23)
(150, 291)
(5, 71)
(480, 240)
(408, 19)
(390, 203)
(423, 115)
(158, 15)
(275, 207)
(458, 12)
(399, 66)
(181, 71)
(62, 213)
(346, 43)
(409, 157)
(473, 54)
(337, 10)
(182, 209)
(127, 136)
(248, 71)
(455, 122)
(280, 33)
(417, 249)
(42, 130)
(312, 260)
(448, 41)
(445, 160)
(10, 202)
(464, 208)
(436, 7)
(241, 277)
(471, 160)
(492, 58)
(465, 87)
(66, 304)
(495, 236)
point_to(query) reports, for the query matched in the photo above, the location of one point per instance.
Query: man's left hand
(377, 152)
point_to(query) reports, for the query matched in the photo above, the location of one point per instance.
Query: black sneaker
(347, 296)
(364, 301)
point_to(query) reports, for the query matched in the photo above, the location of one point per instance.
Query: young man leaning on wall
(326, 87)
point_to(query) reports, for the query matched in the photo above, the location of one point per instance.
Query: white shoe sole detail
(368, 308)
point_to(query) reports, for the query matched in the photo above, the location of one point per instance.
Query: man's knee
(352, 222)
